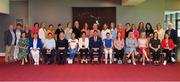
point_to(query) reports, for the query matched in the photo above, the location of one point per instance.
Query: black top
(173, 35)
(154, 43)
(127, 32)
(77, 32)
(58, 31)
(62, 43)
(148, 32)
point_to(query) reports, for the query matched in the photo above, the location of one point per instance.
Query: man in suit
(9, 40)
(95, 45)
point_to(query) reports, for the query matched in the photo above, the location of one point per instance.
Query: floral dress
(23, 52)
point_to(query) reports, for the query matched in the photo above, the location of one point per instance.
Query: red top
(34, 30)
(170, 44)
(120, 30)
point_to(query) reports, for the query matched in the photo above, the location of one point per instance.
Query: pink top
(136, 33)
(142, 42)
(119, 44)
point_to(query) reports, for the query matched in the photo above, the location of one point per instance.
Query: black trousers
(49, 57)
(155, 54)
(83, 53)
(61, 56)
(119, 54)
(168, 55)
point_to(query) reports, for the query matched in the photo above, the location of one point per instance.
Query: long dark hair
(149, 25)
(154, 34)
(140, 24)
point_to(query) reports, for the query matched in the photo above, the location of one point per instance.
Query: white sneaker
(148, 59)
(68, 60)
(71, 61)
(119, 61)
(35, 63)
(172, 59)
(164, 63)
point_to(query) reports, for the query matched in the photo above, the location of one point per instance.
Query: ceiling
(120, 2)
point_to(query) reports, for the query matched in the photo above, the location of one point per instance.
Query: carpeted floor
(88, 72)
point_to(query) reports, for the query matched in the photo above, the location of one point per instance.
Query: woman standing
(68, 31)
(23, 48)
(42, 32)
(86, 29)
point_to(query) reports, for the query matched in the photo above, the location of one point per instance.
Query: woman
(127, 29)
(76, 29)
(141, 27)
(95, 27)
(42, 32)
(121, 30)
(154, 45)
(105, 31)
(35, 29)
(68, 31)
(17, 32)
(86, 29)
(135, 31)
(58, 31)
(73, 47)
(131, 45)
(23, 48)
(83, 47)
(143, 45)
(160, 31)
(149, 30)
(35, 48)
(113, 30)
(167, 46)
(27, 31)
(50, 30)
(119, 48)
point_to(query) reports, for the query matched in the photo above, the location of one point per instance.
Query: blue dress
(131, 42)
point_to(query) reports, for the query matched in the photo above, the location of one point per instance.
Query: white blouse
(85, 43)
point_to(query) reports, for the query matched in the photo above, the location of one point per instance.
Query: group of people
(89, 42)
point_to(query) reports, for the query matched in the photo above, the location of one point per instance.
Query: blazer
(8, 38)
(170, 43)
(39, 44)
(173, 35)
(95, 44)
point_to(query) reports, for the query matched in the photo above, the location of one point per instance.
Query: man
(9, 40)
(95, 45)
(172, 33)
(61, 47)
(49, 46)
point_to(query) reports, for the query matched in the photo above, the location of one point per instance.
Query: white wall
(4, 6)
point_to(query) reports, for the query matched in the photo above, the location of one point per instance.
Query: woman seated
(73, 46)
(143, 45)
(35, 48)
(83, 47)
(108, 44)
(61, 48)
(154, 45)
(119, 48)
(167, 46)
(49, 49)
(131, 45)
(23, 48)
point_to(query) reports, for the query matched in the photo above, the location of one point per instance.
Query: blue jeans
(72, 53)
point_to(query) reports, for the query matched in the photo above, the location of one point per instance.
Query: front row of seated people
(87, 47)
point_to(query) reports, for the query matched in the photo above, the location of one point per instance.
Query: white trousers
(108, 51)
(35, 55)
